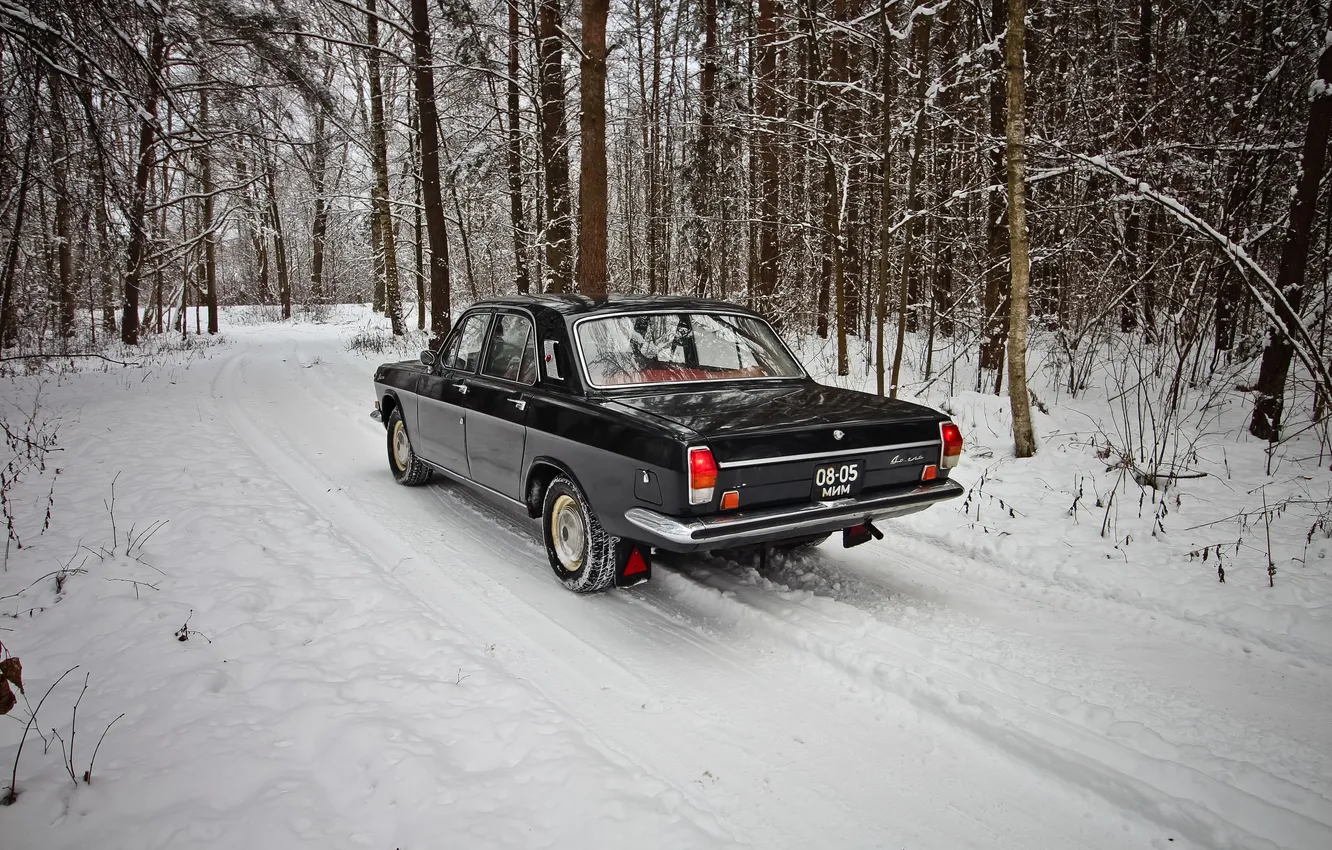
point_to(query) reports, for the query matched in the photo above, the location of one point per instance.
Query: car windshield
(654, 348)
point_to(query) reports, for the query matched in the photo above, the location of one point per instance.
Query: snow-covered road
(895, 695)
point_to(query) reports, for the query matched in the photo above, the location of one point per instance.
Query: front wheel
(581, 553)
(407, 467)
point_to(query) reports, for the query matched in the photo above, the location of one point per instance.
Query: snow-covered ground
(369, 665)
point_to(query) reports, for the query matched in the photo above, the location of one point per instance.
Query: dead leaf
(7, 698)
(12, 669)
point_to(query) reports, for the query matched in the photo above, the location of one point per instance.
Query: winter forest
(1092, 240)
(1139, 179)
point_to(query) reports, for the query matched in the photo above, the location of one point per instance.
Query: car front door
(497, 405)
(442, 405)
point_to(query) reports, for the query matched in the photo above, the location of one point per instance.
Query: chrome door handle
(461, 388)
(518, 403)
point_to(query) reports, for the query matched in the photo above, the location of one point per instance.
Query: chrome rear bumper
(685, 534)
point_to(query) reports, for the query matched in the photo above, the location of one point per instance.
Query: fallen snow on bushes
(367, 665)
(1074, 518)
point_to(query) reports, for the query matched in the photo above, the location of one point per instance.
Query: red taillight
(702, 475)
(952, 444)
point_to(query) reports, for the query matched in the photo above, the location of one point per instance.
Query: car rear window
(658, 348)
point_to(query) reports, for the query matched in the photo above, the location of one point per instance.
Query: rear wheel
(581, 554)
(407, 467)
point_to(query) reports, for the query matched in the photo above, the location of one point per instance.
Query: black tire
(406, 466)
(586, 565)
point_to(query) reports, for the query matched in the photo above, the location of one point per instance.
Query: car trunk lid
(769, 440)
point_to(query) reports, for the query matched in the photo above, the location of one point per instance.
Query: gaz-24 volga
(632, 425)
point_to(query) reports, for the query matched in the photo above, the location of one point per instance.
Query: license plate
(838, 480)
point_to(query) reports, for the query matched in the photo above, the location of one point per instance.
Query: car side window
(511, 354)
(464, 350)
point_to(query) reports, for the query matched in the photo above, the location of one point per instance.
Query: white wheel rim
(402, 448)
(568, 534)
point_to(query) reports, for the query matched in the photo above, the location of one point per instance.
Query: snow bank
(1073, 518)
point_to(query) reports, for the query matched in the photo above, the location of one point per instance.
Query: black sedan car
(636, 424)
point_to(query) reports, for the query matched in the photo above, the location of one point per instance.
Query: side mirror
(428, 357)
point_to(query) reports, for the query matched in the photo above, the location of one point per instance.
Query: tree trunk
(909, 294)
(947, 160)
(129, 321)
(911, 272)
(1270, 391)
(768, 185)
(1024, 439)
(752, 157)
(162, 190)
(8, 325)
(1129, 310)
(650, 126)
(319, 220)
(432, 197)
(833, 252)
(379, 153)
(994, 329)
(846, 127)
(515, 160)
(376, 255)
(279, 239)
(256, 215)
(60, 167)
(705, 166)
(191, 278)
(839, 191)
(209, 243)
(592, 188)
(555, 149)
(462, 237)
(99, 199)
(418, 227)
(888, 59)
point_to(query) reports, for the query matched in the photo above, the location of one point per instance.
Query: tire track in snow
(1176, 694)
(1198, 800)
(1203, 629)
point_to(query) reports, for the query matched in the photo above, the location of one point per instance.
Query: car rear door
(442, 398)
(497, 404)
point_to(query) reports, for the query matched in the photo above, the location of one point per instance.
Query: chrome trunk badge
(837, 435)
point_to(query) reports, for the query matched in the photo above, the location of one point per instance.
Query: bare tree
(766, 144)
(209, 242)
(1024, 439)
(592, 189)
(1270, 399)
(129, 320)
(432, 199)
(555, 150)
(994, 327)
(379, 155)
(514, 152)
(63, 205)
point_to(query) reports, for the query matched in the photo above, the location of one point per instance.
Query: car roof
(575, 305)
